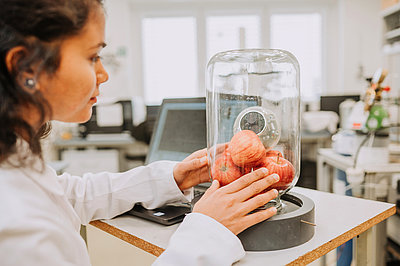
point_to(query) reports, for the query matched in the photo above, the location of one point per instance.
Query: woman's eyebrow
(101, 44)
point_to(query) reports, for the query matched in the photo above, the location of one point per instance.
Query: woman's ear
(13, 56)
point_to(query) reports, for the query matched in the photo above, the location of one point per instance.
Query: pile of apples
(246, 153)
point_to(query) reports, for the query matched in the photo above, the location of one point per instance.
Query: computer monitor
(180, 129)
(332, 102)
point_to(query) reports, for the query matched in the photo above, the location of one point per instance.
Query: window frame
(143, 66)
(279, 11)
(201, 10)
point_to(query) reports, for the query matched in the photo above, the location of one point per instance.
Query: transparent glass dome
(253, 115)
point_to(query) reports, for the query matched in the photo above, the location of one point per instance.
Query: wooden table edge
(127, 237)
(343, 238)
(302, 260)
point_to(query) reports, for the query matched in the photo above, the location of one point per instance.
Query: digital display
(180, 130)
(184, 131)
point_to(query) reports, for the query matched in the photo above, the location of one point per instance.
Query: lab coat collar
(33, 167)
(22, 156)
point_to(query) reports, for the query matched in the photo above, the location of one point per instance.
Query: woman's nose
(101, 75)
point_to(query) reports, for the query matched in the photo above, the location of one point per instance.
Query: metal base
(289, 228)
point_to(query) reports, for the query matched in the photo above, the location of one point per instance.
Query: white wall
(353, 31)
(360, 42)
(118, 53)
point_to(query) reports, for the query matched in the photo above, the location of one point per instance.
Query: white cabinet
(391, 46)
(391, 17)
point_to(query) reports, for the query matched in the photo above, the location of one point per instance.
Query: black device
(144, 130)
(93, 127)
(166, 215)
(332, 102)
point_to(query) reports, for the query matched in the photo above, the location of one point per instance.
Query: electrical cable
(369, 134)
(359, 147)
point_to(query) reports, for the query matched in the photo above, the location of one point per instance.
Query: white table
(111, 141)
(338, 218)
(328, 159)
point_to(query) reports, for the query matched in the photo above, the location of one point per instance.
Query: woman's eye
(95, 58)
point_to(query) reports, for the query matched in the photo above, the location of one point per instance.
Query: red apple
(246, 149)
(273, 153)
(224, 170)
(245, 170)
(282, 167)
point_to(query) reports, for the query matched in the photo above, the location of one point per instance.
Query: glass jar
(253, 115)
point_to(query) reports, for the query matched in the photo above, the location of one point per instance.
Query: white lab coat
(41, 214)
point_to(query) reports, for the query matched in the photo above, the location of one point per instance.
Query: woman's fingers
(257, 217)
(218, 149)
(246, 180)
(222, 147)
(197, 154)
(214, 186)
(192, 164)
(258, 201)
(228, 210)
(196, 163)
(257, 186)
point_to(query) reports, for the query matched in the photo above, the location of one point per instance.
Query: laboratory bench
(328, 160)
(338, 218)
(125, 147)
(377, 185)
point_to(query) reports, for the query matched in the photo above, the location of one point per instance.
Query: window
(301, 34)
(176, 48)
(169, 58)
(232, 32)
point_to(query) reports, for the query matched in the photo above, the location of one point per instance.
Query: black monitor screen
(180, 130)
(184, 131)
(332, 102)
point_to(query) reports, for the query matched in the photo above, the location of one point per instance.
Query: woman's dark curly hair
(38, 26)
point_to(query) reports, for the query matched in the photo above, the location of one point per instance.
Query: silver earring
(30, 83)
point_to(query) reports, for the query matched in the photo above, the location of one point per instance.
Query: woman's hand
(192, 171)
(230, 205)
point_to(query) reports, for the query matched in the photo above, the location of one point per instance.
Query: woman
(50, 69)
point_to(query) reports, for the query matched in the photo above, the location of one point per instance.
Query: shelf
(391, 50)
(392, 34)
(390, 10)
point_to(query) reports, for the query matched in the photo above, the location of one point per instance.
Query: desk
(333, 229)
(121, 144)
(328, 159)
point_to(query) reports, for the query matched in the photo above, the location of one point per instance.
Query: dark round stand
(292, 226)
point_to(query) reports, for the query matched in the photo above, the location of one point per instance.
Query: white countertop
(344, 162)
(338, 219)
